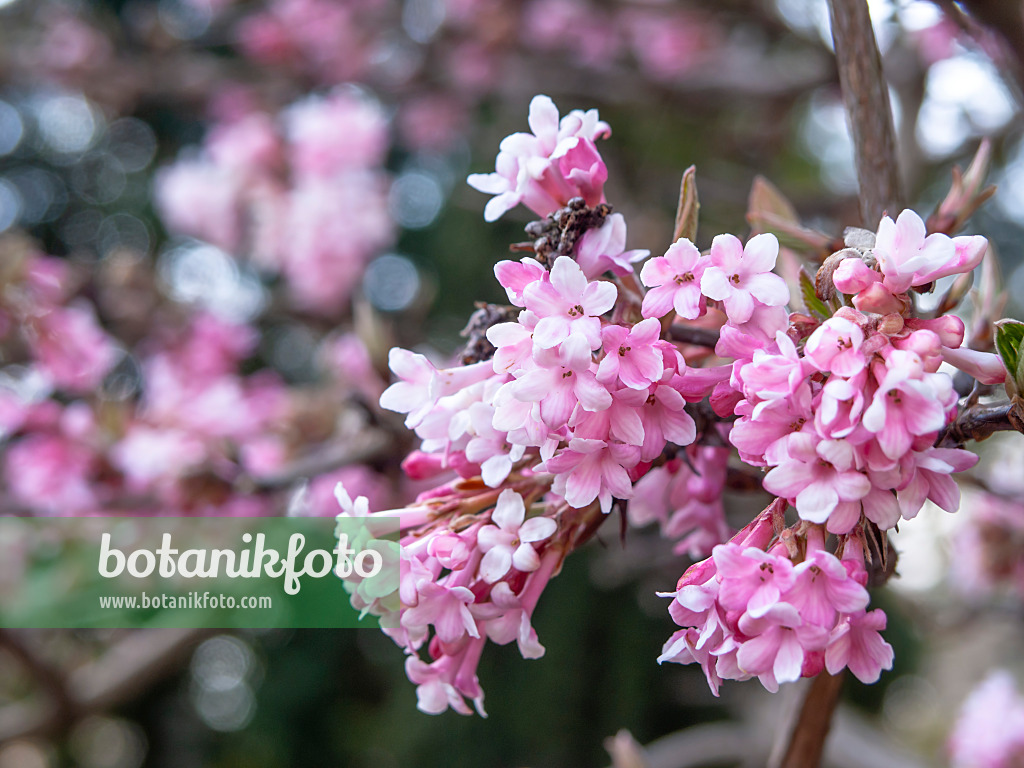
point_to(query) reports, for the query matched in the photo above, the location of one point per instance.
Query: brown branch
(702, 337)
(807, 742)
(977, 423)
(866, 96)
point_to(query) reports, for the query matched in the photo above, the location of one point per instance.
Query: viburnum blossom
(675, 282)
(740, 276)
(591, 393)
(271, 186)
(543, 170)
(507, 543)
(567, 308)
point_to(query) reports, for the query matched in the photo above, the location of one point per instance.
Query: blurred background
(216, 217)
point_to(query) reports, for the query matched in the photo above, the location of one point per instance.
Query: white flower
(508, 543)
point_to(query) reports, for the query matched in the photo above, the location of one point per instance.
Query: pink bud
(877, 299)
(986, 367)
(422, 466)
(949, 328)
(853, 276)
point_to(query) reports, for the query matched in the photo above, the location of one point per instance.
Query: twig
(866, 96)
(976, 423)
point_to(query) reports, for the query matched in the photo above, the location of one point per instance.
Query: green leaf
(689, 207)
(813, 304)
(1009, 336)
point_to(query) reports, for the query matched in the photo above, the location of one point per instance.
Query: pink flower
(604, 249)
(770, 376)
(835, 346)
(514, 276)
(752, 580)
(817, 475)
(619, 421)
(779, 643)
(969, 250)
(507, 619)
(823, 587)
(929, 473)
(630, 354)
(547, 168)
(853, 276)
(856, 643)
(200, 199)
(146, 454)
(508, 542)
(52, 473)
(434, 694)
(989, 733)
(558, 389)
(740, 276)
(568, 308)
(675, 282)
(903, 249)
(664, 419)
(904, 407)
(446, 608)
(249, 146)
(593, 469)
(421, 385)
(321, 254)
(761, 426)
(986, 367)
(339, 132)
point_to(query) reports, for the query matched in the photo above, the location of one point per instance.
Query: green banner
(215, 572)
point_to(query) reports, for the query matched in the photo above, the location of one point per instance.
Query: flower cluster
(472, 565)
(848, 424)
(776, 613)
(578, 395)
(271, 190)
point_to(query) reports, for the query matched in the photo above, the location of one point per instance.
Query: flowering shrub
(270, 190)
(593, 391)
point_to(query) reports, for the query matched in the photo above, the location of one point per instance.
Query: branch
(866, 96)
(807, 742)
(702, 337)
(977, 423)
